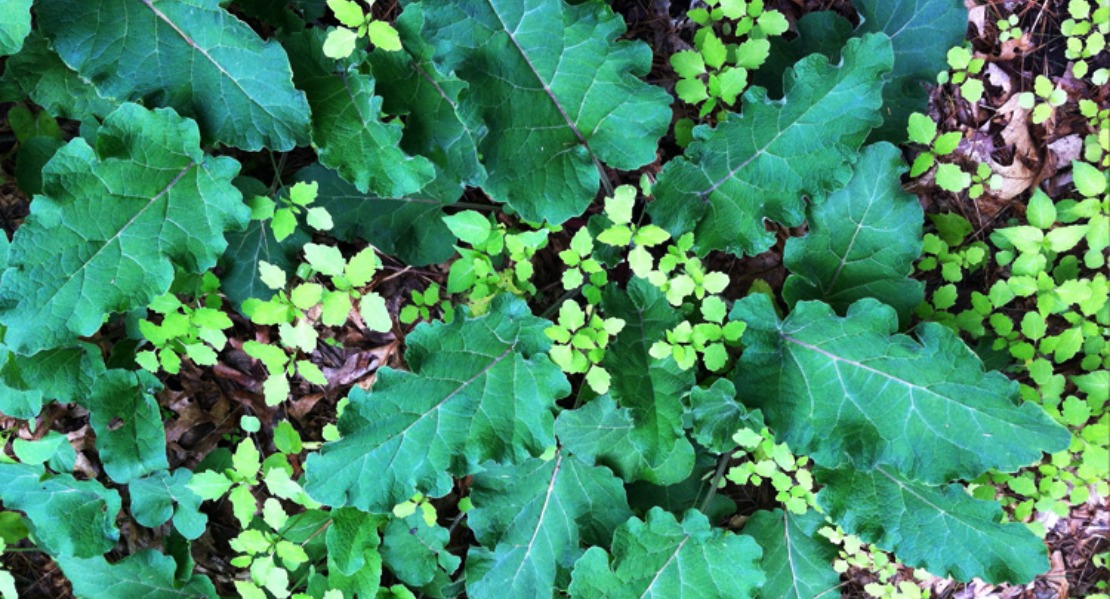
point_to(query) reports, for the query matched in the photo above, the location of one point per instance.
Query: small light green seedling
(1086, 31)
(1008, 29)
(715, 73)
(289, 312)
(984, 178)
(710, 339)
(1096, 146)
(1043, 100)
(478, 273)
(196, 332)
(964, 68)
(283, 212)
(340, 42)
(580, 340)
(923, 130)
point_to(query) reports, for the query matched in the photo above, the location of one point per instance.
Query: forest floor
(205, 404)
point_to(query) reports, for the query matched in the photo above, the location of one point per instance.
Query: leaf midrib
(108, 242)
(543, 84)
(219, 67)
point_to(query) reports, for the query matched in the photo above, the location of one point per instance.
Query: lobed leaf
(39, 73)
(144, 575)
(347, 126)
(128, 424)
(409, 227)
(797, 561)
(438, 125)
(904, 517)
(531, 518)
(556, 92)
(161, 496)
(762, 163)
(479, 389)
(89, 526)
(921, 32)
(660, 557)
(63, 374)
(190, 55)
(848, 390)
(112, 224)
(15, 25)
(862, 240)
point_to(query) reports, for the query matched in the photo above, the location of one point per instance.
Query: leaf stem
(722, 465)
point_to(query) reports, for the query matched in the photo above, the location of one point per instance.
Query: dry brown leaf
(1018, 176)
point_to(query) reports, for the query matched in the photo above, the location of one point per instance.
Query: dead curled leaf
(1024, 171)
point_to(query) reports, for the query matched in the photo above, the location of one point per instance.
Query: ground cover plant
(536, 298)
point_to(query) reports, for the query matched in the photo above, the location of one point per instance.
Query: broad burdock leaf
(160, 496)
(352, 533)
(128, 424)
(415, 552)
(660, 557)
(144, 575)
(437, 125)
(797, 561)
(640, 436)
(190, 55)
(63, 374)
(479, 389)
(410, 227)
(901, 516)
(531, 519)
(15, 25)
(921, 32)
(715, 416)
(67, 516)
(850, 390)
(38, 73)
(111, 225)
(862, 240)
(558, 94)
(763, 163)
(347, 127)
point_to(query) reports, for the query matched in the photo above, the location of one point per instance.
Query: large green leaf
(68, 516)
(557, 92)
(161, 496)
(191, 55)
(531, 518)
(921, 31)
(662, 558)
(38, 73)
(479, 389)
(417, 553)
(64, 374)
(347, 126)
(862, 240)
(351, 535)
(112, 224)
(128, 424)
(643, 438)
(847, 389)
(797, 561)
(15, 25)
(715, 416)
(763, 163)
(409, 227)
(144, 575)
(437, 125)
(905, 517)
